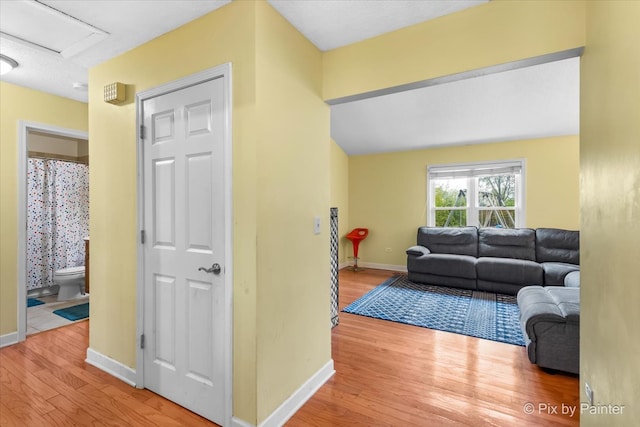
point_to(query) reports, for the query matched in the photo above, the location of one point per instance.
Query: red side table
(356, 236)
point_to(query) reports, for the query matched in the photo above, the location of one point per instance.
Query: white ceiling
(75, 35)
(531, 102)
(330, 24)
(127, 24)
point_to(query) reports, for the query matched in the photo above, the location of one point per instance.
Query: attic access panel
(36, 24)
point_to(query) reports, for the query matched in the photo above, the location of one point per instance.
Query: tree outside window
(484, 195)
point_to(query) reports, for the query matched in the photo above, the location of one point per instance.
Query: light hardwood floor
(44, 382)
(387, 374)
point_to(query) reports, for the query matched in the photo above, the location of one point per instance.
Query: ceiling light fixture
(6, 64)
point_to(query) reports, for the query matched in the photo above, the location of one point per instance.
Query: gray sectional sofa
(541, 266)
(493, 259)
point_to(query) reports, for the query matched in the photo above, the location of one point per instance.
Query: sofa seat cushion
(555, 304)
(443, 265)
(555, 272)
(506, 270)
(435, 279)
(550, 321)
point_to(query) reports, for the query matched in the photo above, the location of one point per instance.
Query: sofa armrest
(535, 303)
(572, 280)
(418, 251)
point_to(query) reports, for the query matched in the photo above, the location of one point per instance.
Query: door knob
(215, 269)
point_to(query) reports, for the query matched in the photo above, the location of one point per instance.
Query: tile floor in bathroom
(41, 318)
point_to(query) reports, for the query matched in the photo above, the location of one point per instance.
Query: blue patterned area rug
(475, 313)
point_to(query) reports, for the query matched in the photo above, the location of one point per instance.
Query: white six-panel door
(184, 226)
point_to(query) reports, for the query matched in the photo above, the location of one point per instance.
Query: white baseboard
(391, 267)
(299, 397)
(344, 265)
(111, 367)
(237, 422)
(8, 339)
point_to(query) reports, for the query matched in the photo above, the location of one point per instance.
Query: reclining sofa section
(493, 259)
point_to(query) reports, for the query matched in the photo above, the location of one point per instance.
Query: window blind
(462, 171)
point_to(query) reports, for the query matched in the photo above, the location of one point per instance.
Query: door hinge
(143, 236)
(142, 341)
(142, 132)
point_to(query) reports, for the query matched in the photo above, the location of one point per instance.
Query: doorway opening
(52, 224)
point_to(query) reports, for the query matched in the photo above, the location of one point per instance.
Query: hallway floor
(47, 382)
(41, 318)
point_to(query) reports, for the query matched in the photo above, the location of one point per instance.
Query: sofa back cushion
(449, 240)
(517, 243)
(556, 245)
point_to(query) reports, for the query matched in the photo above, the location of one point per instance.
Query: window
(480, 194)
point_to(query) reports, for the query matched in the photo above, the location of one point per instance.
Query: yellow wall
(226, 35)
(388, 192)
(293, 333)
(481, 36)
(339, 196)
(610, 201)
(19, 103)
(281, 269)
(493, 33)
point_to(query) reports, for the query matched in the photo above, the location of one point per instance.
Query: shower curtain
(57, 218)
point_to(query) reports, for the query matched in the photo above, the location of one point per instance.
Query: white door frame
(220, 72)
(23, 156)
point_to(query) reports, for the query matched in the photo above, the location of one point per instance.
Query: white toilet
(71, 282)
